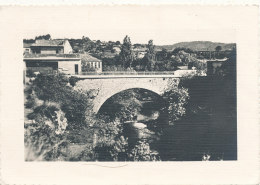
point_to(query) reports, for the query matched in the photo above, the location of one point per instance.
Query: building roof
(88, 58)
(43, 42)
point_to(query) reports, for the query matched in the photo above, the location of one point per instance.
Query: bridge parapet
(143, 74)
(136, 73)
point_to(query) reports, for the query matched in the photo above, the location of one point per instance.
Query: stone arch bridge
(104, 87)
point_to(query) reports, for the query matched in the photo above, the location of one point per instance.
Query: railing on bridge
(130, 73)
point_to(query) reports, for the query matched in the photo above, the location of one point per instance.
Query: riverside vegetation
(194, 121)
(61, 126)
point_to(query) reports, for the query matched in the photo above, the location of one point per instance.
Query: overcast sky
(165, 25)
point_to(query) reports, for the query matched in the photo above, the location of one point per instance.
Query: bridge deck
(123, 76)
(104, 75)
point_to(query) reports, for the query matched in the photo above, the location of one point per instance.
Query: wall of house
(96, 65)
(67, 47)
(26, 50)
(68, 67)
(41, 66)
(48, 51)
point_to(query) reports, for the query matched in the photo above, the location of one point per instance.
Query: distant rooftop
(88, 58)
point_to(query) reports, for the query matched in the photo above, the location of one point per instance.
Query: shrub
(30, 102)
(74, 104)
(142, 152)
(30, 73)
(177, 99)
(73, 80)
(45, 137)
(109, 143)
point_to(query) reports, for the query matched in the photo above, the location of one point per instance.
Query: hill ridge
(198, 45)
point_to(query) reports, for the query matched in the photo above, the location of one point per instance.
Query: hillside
(198, 45)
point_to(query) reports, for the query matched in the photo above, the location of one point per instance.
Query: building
(27, 47)
(140, 52)
(91, 63)
(116, 49)
(52, 56)
(57, 46)
(63, 63)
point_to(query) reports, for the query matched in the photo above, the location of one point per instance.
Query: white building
(52, 56)
(53, 64)
(92, 64)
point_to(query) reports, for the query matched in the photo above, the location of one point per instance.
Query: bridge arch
(106, 98)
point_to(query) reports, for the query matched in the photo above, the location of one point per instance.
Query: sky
(164, 25)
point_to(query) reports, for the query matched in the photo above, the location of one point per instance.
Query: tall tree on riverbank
(150, 55)
(126, 54)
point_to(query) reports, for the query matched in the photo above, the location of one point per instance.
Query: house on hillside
(52, 56)
(140, 54)
(57, 46)
(90, 63)
(116, 49)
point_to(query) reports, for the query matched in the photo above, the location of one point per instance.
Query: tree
(150, 55)
(126, 54)
(177, 50)
(162, 55)
(177, 99)
(28, 41)
(45, 37)
(218, 48)
(85, 39)
(98, 42)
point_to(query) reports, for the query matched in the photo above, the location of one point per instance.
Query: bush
(30, 103)
(30, 73)
(45, 137)
(177, 99)
(142, 152)
(74, 104)
(73, 80)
